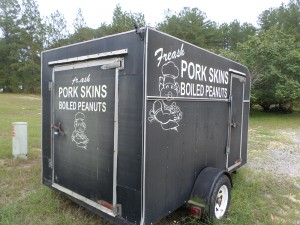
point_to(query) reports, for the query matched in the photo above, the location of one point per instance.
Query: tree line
(271, 51)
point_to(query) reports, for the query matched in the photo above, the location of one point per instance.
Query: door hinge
(117, 210)
(117, 63)
(50, 165)
(230, 99)
(243, 80)
(50, 84)
(227, 150)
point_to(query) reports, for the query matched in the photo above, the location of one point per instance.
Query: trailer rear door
(85, 131)
(237, 88)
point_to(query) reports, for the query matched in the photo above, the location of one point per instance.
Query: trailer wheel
(220, 198)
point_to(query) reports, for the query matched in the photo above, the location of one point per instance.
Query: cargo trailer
(138, 124)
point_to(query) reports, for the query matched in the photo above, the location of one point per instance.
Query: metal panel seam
(52, 122)
(116, 127)
(188, 99)
(42, 118)
(143, 167)
(242, 122)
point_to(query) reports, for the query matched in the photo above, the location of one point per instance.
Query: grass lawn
(261, 195)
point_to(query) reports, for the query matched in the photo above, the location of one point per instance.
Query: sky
(97, 11)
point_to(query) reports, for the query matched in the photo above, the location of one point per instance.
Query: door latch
(57, 129)
(233, 123)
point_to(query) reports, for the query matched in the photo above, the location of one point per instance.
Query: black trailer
(138, 124)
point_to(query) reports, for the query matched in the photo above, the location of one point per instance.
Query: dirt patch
(30, 97)
(2, 162)
(27, 164)
(280, 159)
(36, 149)
(12, 164)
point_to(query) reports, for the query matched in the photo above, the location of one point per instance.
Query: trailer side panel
(188, 117)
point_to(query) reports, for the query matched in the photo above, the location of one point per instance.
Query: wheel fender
(204, 185)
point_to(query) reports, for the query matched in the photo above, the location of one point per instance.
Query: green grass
(20, 108)
(272, 121)
(266, 127)
(257, 198)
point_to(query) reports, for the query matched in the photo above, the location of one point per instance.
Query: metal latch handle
(233, 123)
(57, 129)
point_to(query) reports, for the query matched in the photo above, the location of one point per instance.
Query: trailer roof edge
(83, 42)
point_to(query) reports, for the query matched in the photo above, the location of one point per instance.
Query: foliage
(103, 30)
(192, 26)
(56, 30)
(9, 43)
(235, 33)
(124, 21)
(285, 17)
(20, 46)
(79, 21)
(32, 39)
(274, 68)
(82, 31)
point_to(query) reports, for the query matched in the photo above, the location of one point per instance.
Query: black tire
(220, 199)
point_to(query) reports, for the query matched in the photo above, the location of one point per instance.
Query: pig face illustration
(79, 126)
(78, 135)
(168, 87)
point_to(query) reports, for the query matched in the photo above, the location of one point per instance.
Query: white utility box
(19, 139)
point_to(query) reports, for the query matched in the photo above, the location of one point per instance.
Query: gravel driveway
(282, 159)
